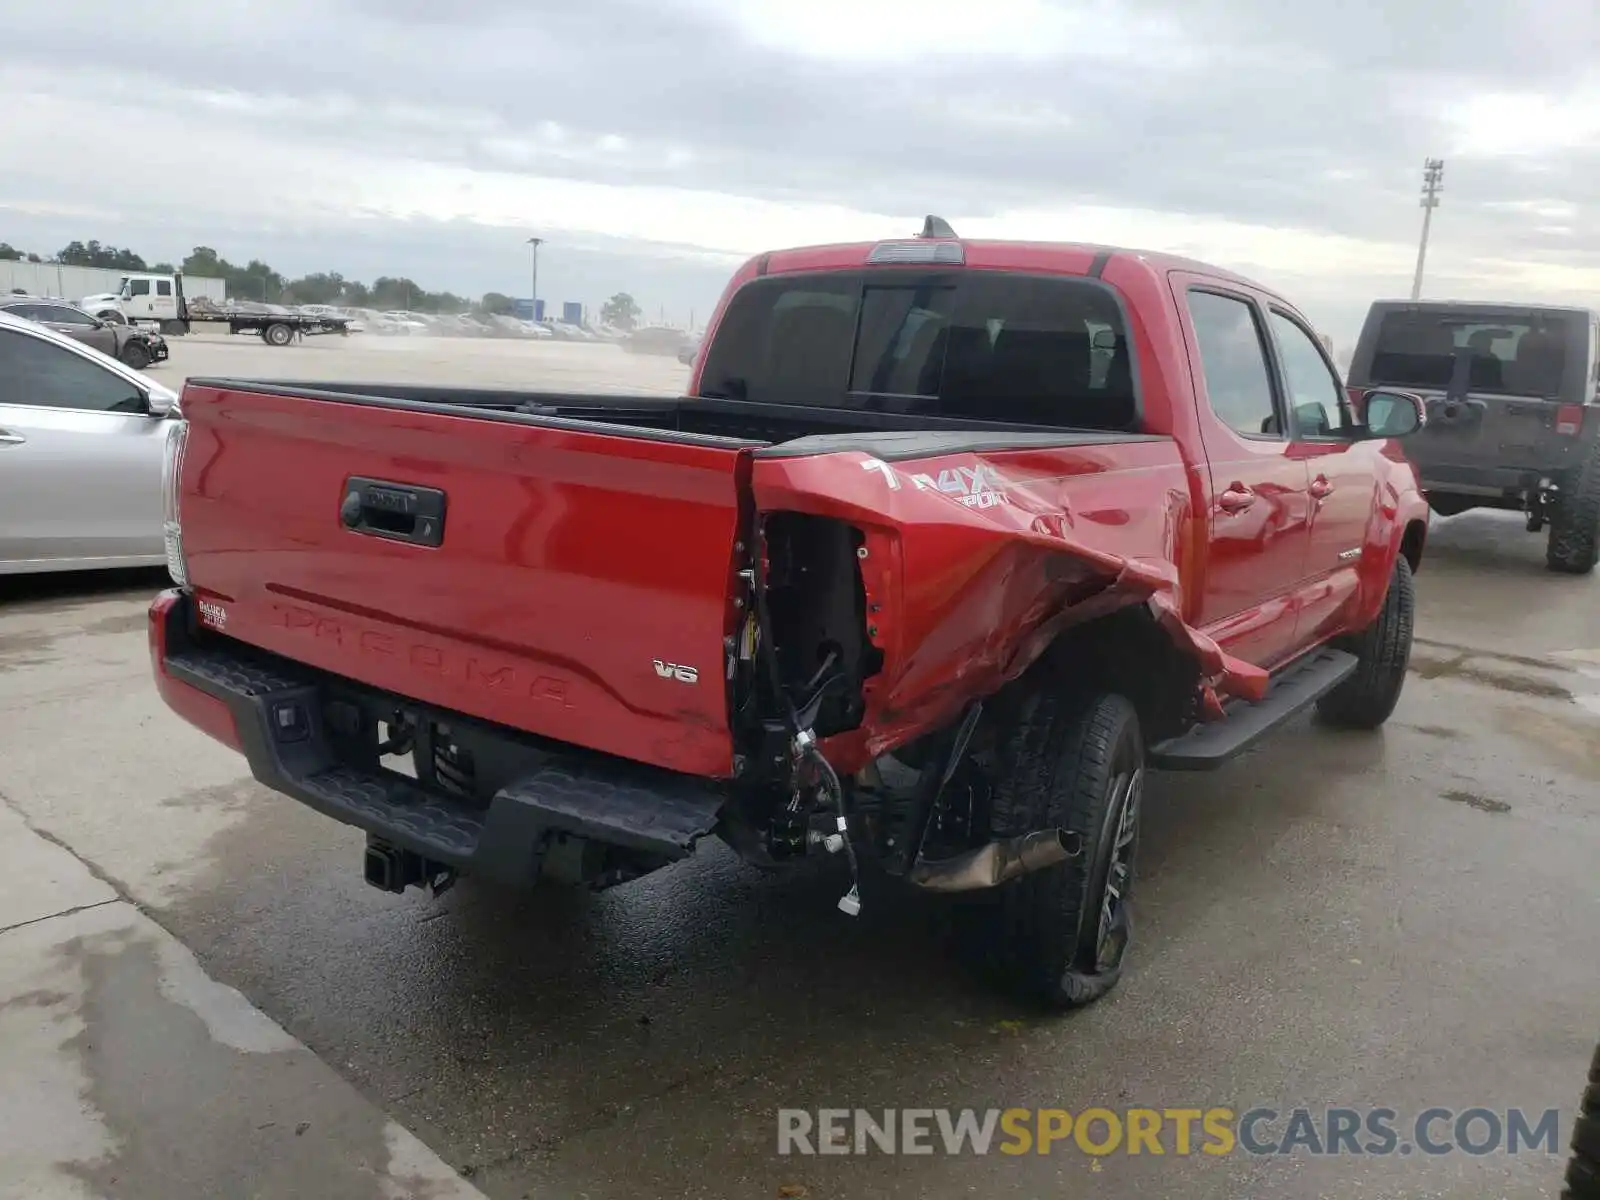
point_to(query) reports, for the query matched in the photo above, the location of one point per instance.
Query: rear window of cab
(978, 345)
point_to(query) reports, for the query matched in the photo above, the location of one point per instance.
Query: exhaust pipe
(998, 862)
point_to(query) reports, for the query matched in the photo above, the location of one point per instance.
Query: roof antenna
(936, 227)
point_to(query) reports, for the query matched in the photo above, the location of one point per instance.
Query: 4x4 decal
(979, 486)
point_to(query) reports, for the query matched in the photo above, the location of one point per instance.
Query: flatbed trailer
(159, 299)
(275, 329)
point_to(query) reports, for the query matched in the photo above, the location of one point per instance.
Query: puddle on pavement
(1433, 731)
(19, 650)
(1586, 664)
(1470, 667)
(128, 622)
(238, 1103)
(1573, 743)
(39, 648)
(1474, 800)
(36, 648)
(1570, 677)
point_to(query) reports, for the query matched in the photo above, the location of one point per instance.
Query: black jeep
(1513, 420)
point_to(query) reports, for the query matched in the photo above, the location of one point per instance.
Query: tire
(1369, 695)
(1574, 545)
(277, 334)
(1583, 1169)
(1077, 763)
(136, 355)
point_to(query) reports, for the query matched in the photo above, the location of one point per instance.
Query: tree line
(255, 280)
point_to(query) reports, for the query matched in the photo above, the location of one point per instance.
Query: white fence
(74, 283)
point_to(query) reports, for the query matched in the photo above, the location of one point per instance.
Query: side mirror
(1393, 414)
(1311, 419)
(162, 402)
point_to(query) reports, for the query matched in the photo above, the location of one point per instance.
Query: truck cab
(150, 297)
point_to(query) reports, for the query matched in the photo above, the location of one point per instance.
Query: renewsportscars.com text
(1212, 1131)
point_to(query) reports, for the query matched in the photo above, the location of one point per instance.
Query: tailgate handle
(400, 512)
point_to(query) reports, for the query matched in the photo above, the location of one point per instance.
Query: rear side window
(61, 314)
(163, 287)
(976, 345)
(1515, 353)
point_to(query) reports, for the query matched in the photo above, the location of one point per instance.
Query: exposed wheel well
(1411, 543)
(1129, 653)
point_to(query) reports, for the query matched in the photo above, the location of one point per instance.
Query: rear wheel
(277, 334)
(136, 355)
(1574, 545)
(1367, 697)
(1074, 762)
(1583, 1170)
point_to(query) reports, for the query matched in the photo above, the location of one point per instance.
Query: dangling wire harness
(802, 739)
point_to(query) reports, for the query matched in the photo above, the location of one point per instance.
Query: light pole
(533, 298)
(1432, 174)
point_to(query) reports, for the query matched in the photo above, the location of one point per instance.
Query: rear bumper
(285, 719)
(1498, 447)
(1480, 481)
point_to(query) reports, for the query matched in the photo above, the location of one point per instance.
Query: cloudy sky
(654, 143)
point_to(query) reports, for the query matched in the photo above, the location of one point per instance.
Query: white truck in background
(158, 299)
(142, 298)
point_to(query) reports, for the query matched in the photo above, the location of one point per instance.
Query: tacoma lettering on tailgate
(479, 672)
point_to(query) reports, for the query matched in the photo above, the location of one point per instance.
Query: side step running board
(1290, 691)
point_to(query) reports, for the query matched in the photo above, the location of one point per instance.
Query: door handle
(10, 437)
(1236, 499)
(1320, 488)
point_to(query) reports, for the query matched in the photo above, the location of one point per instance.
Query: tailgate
(559, 577)
(1488, 439)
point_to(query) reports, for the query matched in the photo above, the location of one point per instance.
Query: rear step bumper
(1292, 690)
(277, 708)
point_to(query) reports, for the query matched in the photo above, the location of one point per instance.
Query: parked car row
(661, 339)
(155, 300)
(398, 323)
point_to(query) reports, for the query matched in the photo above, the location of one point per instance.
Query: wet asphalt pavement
(1406, 919)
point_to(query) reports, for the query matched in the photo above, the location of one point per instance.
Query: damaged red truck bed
(946, 544)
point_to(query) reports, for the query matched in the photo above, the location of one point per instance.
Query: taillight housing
(171, 479)
(1569, 420)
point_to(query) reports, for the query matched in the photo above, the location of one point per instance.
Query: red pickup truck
(948, 542)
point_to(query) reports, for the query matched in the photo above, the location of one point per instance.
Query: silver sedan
(82, 438)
